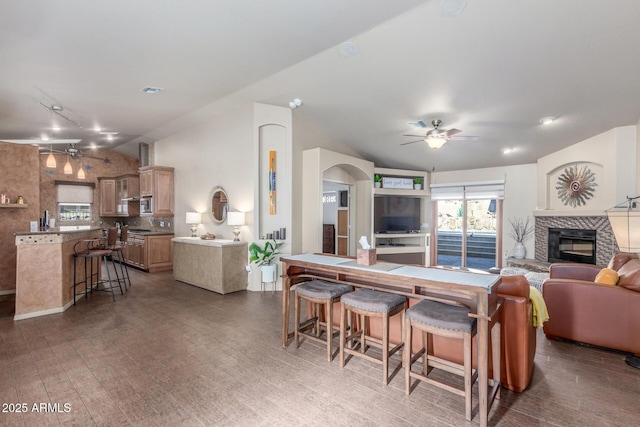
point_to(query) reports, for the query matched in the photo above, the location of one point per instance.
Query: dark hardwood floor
(167, 353)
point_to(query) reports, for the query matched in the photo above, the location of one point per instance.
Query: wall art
(576, 185)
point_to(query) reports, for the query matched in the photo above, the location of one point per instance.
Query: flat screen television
(396, 214)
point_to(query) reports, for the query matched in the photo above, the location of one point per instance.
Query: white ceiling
(493, 71)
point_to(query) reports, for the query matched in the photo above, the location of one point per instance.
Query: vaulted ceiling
(493, 71)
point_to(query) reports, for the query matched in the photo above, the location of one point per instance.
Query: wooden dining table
(477, 291)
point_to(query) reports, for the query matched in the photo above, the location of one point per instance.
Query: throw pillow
(630, 275)
(607, 276)
(621, 259)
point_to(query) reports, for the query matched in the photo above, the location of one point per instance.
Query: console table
(217, 265)
(478, 291)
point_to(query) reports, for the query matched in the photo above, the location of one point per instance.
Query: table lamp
(625, 222)
(194, 218)
(236, 219)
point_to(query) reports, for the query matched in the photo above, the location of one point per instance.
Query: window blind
(469, 191)
(75, 194)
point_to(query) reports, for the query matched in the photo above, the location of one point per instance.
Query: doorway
(336, 224)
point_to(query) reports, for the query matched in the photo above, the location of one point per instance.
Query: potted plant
(377, 181)
(264, 258)
(417, 183)
(521, 231)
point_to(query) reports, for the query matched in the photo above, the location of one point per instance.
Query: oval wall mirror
(219, 204)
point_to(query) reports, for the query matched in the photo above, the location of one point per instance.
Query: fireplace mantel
(554, 212)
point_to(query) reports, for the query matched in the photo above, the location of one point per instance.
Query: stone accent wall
(605, 240)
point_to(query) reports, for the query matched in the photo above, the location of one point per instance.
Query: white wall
(612, 156)
(519, 193)
(216, 153)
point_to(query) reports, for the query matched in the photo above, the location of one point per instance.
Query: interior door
(343, 231)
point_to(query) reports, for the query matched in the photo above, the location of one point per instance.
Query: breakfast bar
(44, 270)
(478, 291)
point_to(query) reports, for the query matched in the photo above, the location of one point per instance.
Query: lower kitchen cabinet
(149, 252)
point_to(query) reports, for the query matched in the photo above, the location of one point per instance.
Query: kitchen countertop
(151, 233)
(206, 242)
(60, 230)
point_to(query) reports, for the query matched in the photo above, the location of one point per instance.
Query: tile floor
(167, 353)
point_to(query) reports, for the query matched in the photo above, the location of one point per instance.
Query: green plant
(521, 230)
(266, 255)
(377, 178)
(417, 180)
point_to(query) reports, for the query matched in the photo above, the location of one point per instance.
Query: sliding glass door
(467, 231)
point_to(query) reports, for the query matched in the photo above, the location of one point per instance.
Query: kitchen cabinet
(149, 252)
(107, 196)
(157, 182)
(128, 195)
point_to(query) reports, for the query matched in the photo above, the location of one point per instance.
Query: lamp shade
(235, 218)
(193, 218)
(435, 142)
(625, 223)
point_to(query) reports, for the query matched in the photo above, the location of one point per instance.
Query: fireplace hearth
(572, 245)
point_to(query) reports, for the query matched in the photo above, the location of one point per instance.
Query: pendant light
(81, 174)
(51, 160)
(68, 170)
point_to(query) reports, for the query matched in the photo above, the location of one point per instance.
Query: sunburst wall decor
(576, 185)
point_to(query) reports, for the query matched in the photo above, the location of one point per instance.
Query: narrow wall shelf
(13, 205)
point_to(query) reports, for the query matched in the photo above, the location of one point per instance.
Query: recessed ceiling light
(150, 89)
(44, 137)
(105, 132)
(55, 128)
(547, 120)
(97, 129)
(508, 150)
(348, 49)
(450, 8)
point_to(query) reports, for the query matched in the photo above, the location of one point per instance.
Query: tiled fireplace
(605, 245)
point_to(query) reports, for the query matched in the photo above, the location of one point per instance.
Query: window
(74, 201)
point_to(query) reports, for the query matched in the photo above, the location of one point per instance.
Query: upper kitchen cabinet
(128, 195)
(107, 196)
(156, 183)
(120, 196)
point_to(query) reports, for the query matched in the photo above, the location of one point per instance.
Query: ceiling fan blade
(92, 157)
(463, 138)
(452, 132)
(415, 136)
(412, 142)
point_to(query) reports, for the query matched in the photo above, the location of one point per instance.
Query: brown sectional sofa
(518, 335)
(584, 311)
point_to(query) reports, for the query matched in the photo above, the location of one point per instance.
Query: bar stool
(432, 317)
(90, 250)
(116, 245)
(318, 292)
(370, 303)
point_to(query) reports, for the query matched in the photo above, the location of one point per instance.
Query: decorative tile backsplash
(605, 240)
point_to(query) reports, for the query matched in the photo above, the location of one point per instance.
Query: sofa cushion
(607, 276)
(629, 275)
(620, 259)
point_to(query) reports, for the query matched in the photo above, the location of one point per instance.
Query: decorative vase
(519, 251)
(377, 185)
(268, 273)
(417, 186)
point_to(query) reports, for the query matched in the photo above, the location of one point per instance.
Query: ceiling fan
(437, 137)
(73, 152)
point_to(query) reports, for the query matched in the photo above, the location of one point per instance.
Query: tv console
(407, 247)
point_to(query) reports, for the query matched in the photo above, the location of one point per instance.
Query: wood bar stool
(432, 317)
(369, 303)
(318, 292)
